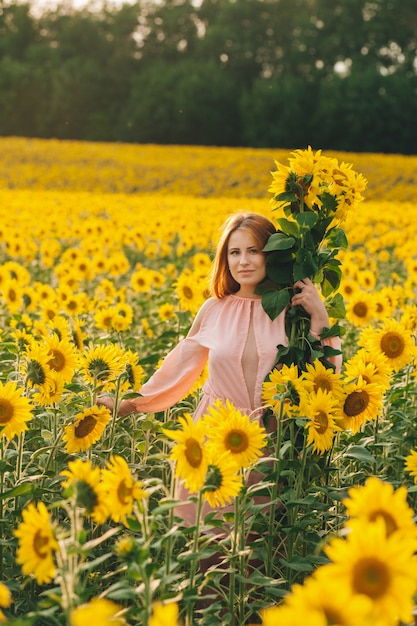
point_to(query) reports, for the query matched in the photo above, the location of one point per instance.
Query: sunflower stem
(274, 491)
(193, 566)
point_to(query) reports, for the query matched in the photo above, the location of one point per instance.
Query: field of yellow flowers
(104, 258)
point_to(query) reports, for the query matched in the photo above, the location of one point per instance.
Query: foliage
(217, 72)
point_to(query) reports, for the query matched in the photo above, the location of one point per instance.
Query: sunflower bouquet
(312, 197)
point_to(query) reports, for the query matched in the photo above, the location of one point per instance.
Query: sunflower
(190, 290)
(35, 367)
(378, 500)
(12, 294)
(123, 317)
(83, 483)
(49, 393)
(374, 368)
(166, 311)
(121, 489)
(15, 410)
(381, 567)
(102, 365)
(283, 390)
(360, 309)
(189, 453)
(103, 318)
(87, 428)
(411, 464)
(164, 614)
(362, 402)
(223, 480)
(229, 429)
(133, 371)
(395, 342)
(37, 543)
(5, 600)
(141, 280)
(62, 359)
(98, 611)
(320, 601)
(317, 376)
(321, 409)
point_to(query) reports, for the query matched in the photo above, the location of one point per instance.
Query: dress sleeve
(174, 379)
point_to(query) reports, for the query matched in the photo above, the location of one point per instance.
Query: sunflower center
(6, 411)
(187, 292)
(390, 523)
(322, 383)
(86, 496)
(356, 403)
(392, 344)
(360, 309)
(85, 426)
(371, 577)
(214, 478)
(99, 368)
(193, 452)
(40, 544)
(124, 493)
(321, 422)
(36, 373)
(237, 441)
(333, 617)
(57, 362)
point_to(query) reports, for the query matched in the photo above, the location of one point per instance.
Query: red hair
(260, 227)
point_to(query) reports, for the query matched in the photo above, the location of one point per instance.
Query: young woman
(231, 330)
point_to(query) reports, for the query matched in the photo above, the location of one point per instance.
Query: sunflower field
(105, 255)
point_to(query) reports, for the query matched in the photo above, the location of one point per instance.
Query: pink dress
(239, 341)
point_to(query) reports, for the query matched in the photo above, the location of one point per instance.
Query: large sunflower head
(87, 428)
(35, 365)
(322, 426)
(362, 402)
(378, 500)
(230, 430)
(360, 308)
(223, 480)
(283, 391)
(15, 410)
(395, 342)
(380, 566)
(102, 365)
(189, 453)
(121, 489)
(317, 376)
(62, 358)
(37, 543)
(411, 464)
(82, 483)
(98, 611)
(374, 368)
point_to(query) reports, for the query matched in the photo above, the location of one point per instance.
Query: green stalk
(274, 491)
(193, 566)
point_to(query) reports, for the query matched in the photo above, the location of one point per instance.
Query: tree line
(336, 74)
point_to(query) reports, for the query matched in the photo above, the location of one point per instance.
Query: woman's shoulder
(202, 313)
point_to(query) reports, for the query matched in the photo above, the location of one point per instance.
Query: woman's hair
(260, 227)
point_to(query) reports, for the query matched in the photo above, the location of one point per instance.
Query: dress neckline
(248, 299)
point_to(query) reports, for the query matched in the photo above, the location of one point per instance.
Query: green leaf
(280, 273)
(331, 280)
(336, 307)
(289, 227)
(279, 241)
(306, 220)
(274, 302)
(336, 238)
(286, 196)
(304, 266)
(359, 453)
(21, 490)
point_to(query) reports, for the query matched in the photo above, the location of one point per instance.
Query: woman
(231, 331)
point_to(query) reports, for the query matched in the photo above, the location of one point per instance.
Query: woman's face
(246, 261)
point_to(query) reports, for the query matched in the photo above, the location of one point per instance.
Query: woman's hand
(125, 407)
(309, 298)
